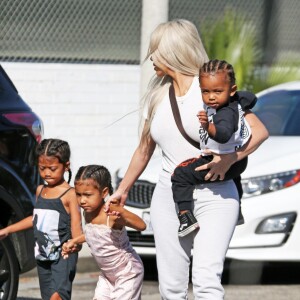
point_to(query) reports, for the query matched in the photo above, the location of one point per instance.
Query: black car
(20, 131)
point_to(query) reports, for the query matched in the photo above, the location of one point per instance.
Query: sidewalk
(84, 285)
(87, 276)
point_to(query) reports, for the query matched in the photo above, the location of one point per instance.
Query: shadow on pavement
(263, 273)
(244, 273)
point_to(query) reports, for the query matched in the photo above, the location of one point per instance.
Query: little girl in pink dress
(121, 268)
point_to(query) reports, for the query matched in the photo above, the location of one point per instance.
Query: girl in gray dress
(56, 219)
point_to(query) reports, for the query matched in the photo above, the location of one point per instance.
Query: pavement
(85, 283)
(87, 277)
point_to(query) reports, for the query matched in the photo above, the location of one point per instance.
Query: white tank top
(167, 136)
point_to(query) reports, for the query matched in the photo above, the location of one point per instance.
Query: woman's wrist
(241, 154)
(230, 158)
(122, 191)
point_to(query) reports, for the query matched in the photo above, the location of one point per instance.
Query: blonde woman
(177, 54)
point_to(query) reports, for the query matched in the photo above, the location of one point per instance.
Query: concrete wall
(77, 101)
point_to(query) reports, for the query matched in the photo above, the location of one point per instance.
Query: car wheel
(9, 271)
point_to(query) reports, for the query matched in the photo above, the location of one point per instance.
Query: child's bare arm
(19, 226)
(127, 218)
(74, 242)
(75, 214)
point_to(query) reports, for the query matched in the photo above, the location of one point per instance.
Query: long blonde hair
(177, 45)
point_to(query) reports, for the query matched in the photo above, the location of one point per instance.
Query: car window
(280, 111)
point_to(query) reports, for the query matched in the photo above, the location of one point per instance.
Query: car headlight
(255, 186)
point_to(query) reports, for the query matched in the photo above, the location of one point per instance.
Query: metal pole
(154, 12)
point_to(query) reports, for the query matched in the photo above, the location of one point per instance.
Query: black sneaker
(188, 223)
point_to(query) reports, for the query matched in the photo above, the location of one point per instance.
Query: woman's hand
(218, 166)
(221, 163)
(118, 197)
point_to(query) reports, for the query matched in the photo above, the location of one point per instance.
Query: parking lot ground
(283, 287)
(85, 283)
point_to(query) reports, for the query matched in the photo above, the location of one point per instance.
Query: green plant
(267, 76)
(234, 39)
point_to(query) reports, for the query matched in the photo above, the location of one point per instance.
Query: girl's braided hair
(215, 65)
(57, 148)
(99, 174)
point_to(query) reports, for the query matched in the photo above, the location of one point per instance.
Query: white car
(271, 200)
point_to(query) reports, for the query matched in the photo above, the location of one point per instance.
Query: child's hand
(64, 254)
(203, 119)
(116, 209)
(3, 233)
(69, 247)
(65, 250)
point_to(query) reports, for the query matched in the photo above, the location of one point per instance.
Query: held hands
(218, 166)
(203, 119)
(117, 198)
(69, 247)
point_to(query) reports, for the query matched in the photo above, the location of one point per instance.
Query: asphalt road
(280, 283)
(84, 285)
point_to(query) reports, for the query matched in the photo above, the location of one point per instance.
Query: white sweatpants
(216, 208)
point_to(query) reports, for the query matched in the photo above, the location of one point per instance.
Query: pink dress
(122, 270)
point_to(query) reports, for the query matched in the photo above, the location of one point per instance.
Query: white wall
(77, 101)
